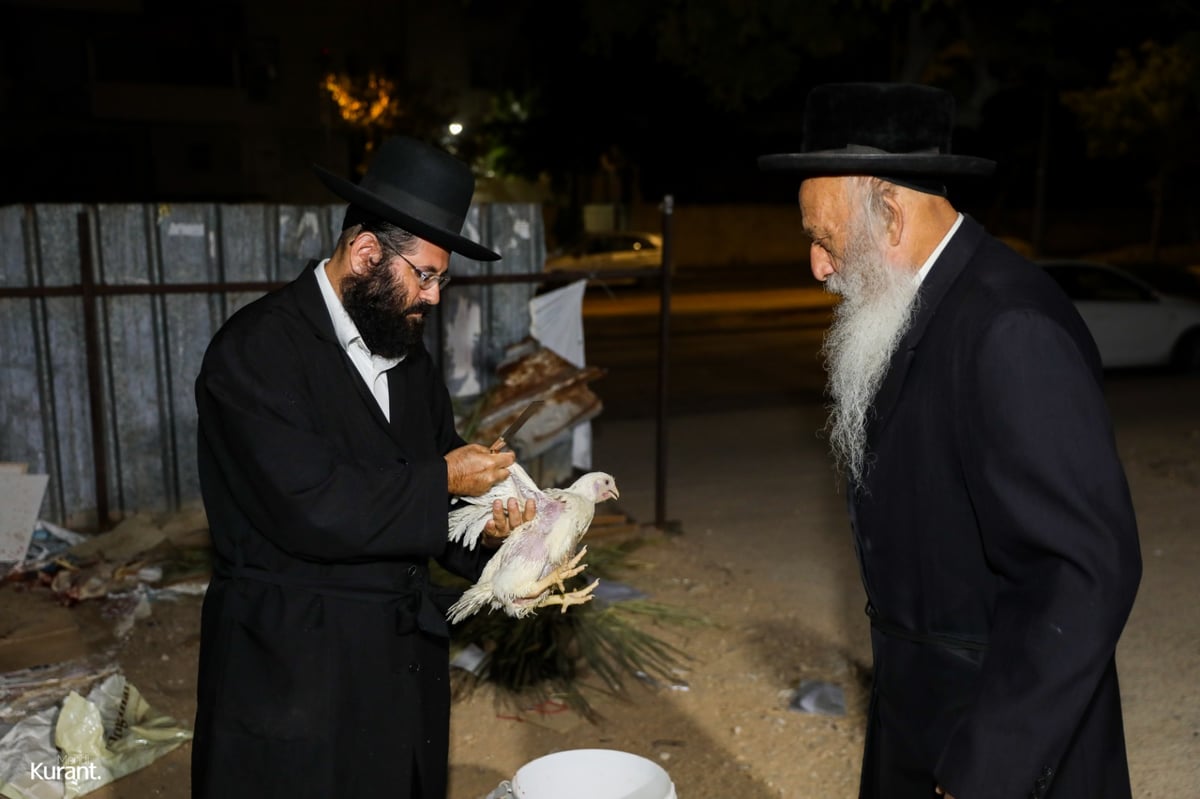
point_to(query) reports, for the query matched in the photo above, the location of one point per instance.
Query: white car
(1133, 323)
(609, 251)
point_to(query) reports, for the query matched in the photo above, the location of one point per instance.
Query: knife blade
(512, 429)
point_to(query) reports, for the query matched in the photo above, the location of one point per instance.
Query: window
(1093, 284)
(1101, 285)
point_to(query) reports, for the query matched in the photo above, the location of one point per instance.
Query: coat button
(413, 668)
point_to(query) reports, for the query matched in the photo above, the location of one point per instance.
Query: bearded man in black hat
(990, 512)
(327, 455)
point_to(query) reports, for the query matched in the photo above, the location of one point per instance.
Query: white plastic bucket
(592, 774)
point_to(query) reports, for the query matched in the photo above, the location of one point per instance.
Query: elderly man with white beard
(990, 513)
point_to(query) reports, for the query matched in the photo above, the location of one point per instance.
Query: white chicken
(537, 556)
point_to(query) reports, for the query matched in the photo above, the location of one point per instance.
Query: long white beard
(877, 308)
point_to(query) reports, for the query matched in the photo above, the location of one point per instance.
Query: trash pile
(533, 372)
(70, 721)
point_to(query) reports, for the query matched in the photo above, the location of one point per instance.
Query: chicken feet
(557, 578)
(579, 597)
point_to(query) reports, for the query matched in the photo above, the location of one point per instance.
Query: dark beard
(379, 307)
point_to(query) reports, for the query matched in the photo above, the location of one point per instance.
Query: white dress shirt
(933, 256)
(373, 368)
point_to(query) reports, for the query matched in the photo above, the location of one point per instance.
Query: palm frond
(553, 655)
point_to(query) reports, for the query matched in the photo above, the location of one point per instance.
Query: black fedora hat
(878, 129)
(418, 187)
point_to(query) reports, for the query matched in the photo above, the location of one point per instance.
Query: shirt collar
(933, 256)
(343, 326)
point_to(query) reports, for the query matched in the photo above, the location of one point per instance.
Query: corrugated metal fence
(106, 310)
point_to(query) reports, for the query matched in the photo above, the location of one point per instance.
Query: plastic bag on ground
(95, 740)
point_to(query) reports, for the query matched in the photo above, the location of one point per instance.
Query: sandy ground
(764, 553)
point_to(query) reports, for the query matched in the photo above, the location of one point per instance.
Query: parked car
(609, 251)
(1133, 323)
(1181, 281)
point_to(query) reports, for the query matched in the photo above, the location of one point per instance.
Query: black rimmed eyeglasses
(425, 279)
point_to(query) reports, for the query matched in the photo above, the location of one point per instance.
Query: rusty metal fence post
(91, 336)
(664, 342)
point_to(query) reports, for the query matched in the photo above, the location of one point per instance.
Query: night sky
(126, 101)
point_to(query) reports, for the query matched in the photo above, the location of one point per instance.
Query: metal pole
(91, 335)
(664, 337)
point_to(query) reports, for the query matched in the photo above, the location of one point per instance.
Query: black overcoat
(997, 543)
(323, 660)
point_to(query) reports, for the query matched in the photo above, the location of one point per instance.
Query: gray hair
(870, 195)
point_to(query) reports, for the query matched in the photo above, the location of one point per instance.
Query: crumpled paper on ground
(111, 733)
(815, 696)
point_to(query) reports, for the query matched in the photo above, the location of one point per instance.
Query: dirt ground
(763, 552)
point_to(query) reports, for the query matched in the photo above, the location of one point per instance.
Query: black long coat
(998, 545)
(323, 662)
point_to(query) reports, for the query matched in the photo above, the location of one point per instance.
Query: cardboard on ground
(20, 501)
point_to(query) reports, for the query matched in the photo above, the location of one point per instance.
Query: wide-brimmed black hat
(418, 187)
(878, 129)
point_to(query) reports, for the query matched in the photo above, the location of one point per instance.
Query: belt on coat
(413, 594)
(893, 630)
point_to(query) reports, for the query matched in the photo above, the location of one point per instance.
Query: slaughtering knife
(512, 429)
